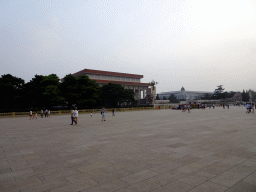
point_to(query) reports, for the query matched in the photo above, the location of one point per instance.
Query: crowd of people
(250, 107)
(32, 115)
(74, 113)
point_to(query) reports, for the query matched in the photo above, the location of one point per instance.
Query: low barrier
(84, 111)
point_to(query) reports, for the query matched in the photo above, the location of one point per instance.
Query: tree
(87, 92)
(173, 99)
(128, 96)
(32, 92)
(43, 91)
(51, 90)
(218, 92)
(81, 91)
(253, 94)
(207, 96)
(219, 89)
(69, 89)
(157, 97)
(11, 87)
(164, 98)
(114, 94)
(245, 96)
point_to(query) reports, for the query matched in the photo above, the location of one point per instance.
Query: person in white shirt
(30, 114)
(72, 117)
(42, 113)
(75, 115)
(189, 109)
(248, 106)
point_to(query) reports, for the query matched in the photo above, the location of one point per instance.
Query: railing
(84, 111)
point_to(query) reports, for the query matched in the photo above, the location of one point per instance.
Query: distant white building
(183, 94)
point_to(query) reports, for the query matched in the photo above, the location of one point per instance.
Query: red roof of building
(91, 71)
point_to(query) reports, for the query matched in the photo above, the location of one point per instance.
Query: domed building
(183, 94)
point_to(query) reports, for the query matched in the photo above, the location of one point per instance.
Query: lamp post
(153, 91)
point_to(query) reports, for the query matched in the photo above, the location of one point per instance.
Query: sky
(197, 44)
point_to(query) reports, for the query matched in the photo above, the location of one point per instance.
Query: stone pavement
(162, 150)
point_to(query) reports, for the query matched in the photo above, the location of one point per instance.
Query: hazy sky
(198, 44)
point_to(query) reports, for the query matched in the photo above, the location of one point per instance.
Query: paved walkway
(162, 150)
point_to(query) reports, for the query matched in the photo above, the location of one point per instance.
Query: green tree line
(48, 91)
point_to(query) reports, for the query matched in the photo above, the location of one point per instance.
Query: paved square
(157, 150)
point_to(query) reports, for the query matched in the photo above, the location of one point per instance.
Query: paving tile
(67, 188)
(140, 176)
(251, 179)
(94, 166)
(243, 169)
(47, 186)
(167, 177)
(217, 168)
(246, 154)
(16, 173)
(165, 167)
(249, 163)
(5, 170)
(228, 178)
(17, 167)
(107, 177)
(186, 160)
(242, 187)
(44, 167)
(136, 167)
(115, 167)
(176, 186)
(7, 182)
(28, 182)
(209, 160)
(35, 162)
(202, 154)
(234, 160)
(177, 145)
(190, 168)
(142, 186)
(109, 187)
(209, 187)
(39, 174)
(196, 178)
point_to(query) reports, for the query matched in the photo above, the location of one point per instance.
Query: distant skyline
(197, 44)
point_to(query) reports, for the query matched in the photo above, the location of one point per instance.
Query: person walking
(30, 114)
(75, 115)
(72, 117)
(35, 115)
(113, 112)
(46, 113)
(189, 109)
(103, 114)
(42, 113)
(248, 106)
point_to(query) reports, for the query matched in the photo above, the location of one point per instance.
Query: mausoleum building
(129, 81)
